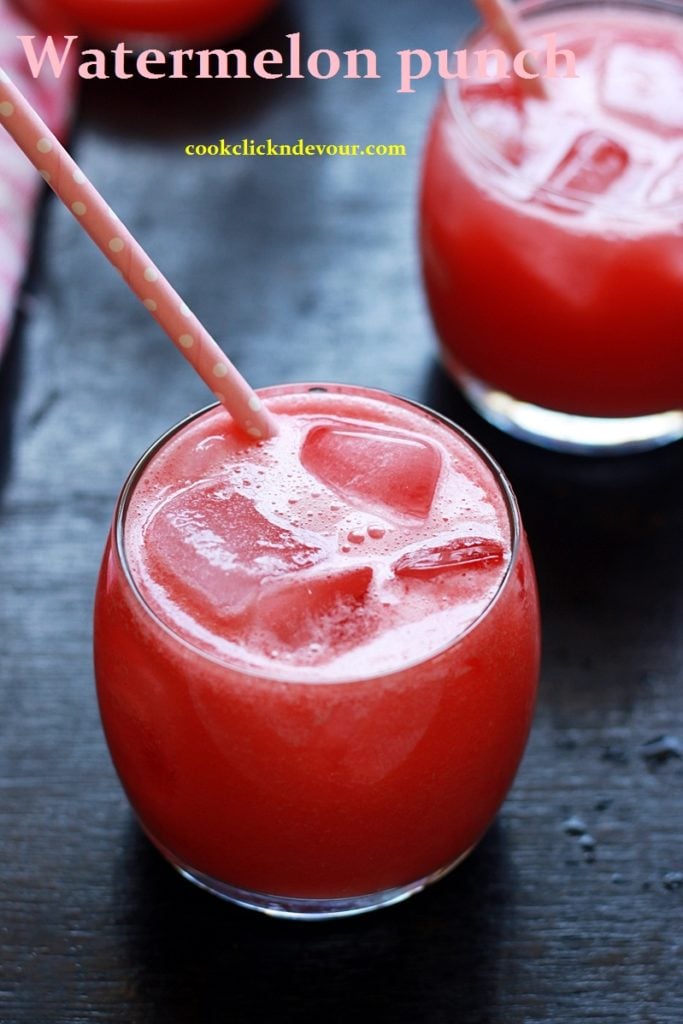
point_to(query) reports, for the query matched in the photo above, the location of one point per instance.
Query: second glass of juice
(552, 231)
(317, 655)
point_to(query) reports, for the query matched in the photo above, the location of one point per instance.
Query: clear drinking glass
(266, 771)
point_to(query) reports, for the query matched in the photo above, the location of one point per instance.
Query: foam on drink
(364, 534)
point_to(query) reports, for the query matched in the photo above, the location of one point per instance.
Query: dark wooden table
(570, 910)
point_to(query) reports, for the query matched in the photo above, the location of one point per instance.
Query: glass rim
(279, 672)
(631, 211)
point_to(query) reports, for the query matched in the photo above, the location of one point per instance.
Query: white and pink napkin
(20, 184)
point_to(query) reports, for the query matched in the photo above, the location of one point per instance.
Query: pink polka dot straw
(69, 183)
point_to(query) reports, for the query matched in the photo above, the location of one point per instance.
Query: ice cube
(318, 610)
(643, 85)
(213, 542)
(497, 111)
(374, 468)
(592, 164)
(456, 553)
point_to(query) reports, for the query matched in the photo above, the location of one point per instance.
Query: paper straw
(70, 184)
(502, 21)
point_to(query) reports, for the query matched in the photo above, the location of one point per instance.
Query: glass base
(308, 909)
(582, 435)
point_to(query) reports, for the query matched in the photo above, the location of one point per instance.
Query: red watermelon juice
(316, 656)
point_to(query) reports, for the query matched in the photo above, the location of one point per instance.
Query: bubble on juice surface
(375, 468)
(591, 166)
(643, 85)
(459, 553)
(309, 616)
(212, 543)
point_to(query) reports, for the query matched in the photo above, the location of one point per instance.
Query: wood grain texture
(570, 909)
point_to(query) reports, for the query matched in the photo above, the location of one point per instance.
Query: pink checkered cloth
(20, 185)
